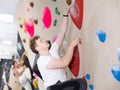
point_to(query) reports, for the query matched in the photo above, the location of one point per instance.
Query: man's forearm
(68, 56)
(63, 27)
(62, 31)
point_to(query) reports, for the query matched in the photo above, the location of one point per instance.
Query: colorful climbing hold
(91, 86)
(24, 40)
(115, 70)
(21, 26)
(28, 9)
(57, 11)
(54, 38)
(46, 17)
(76, 13)
(101, 35)
(29, 26)
(32, 4)
(54, 0)
(34, 74)
(24, 31)
(68, 2)
(36, 21)
(88, 76)
(55, 22)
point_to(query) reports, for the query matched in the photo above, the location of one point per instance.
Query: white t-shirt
(25, 78)
(50, 76)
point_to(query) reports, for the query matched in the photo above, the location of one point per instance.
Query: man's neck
(44, 53)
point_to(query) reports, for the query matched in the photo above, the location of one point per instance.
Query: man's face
(16, 64)
(42, 44)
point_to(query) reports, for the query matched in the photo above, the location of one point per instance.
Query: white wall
(8, 32)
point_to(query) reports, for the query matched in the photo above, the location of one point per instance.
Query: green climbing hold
(54, 0)
(57, 11)
(55, 22)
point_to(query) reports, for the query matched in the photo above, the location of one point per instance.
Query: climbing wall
(100, 48)
(97, 26)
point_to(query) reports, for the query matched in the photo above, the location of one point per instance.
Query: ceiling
(8, 31)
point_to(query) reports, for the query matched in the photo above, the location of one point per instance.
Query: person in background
(4, 79)
(23, 74)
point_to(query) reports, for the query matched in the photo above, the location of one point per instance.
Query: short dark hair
(14, 63)
(33, 43)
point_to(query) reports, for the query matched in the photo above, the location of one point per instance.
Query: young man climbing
(50, 65)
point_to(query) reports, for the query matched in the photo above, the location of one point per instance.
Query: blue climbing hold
(88, 76)
(91, 86)
(116, 72)
(101, 35)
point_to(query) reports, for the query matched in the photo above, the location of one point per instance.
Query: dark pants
(74, 84)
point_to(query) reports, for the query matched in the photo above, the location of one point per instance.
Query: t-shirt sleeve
(43, 62)
(54, 50)
(54, 47)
